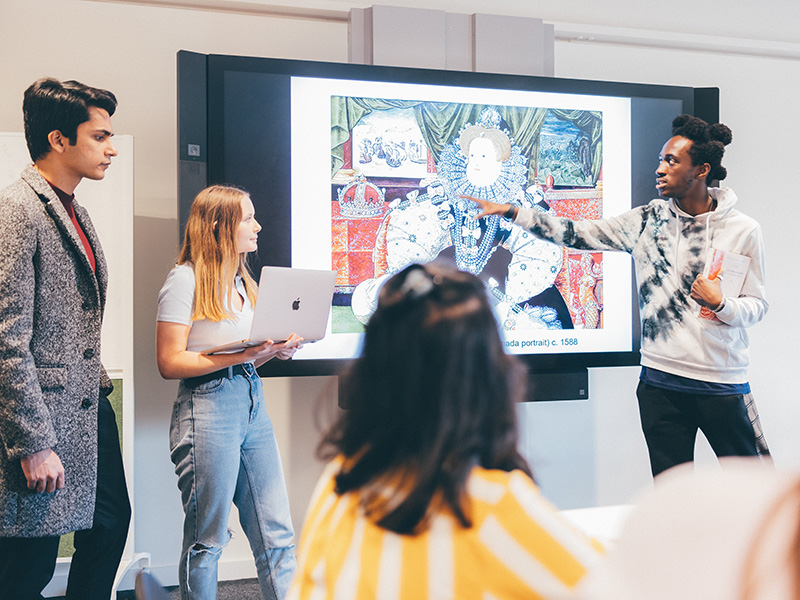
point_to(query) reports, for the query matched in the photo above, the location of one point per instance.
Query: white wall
(130, 49)
(758, 104)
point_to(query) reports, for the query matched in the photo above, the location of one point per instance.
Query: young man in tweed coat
(60, 461)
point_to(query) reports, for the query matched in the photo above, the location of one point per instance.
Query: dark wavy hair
(432, 395)
(50, 105)
(708, 143)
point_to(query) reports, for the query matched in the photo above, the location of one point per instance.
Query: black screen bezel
(240, 147)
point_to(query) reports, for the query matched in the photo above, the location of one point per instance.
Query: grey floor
(242, 589)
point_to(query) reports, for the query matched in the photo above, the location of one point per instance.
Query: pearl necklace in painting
(465, 232)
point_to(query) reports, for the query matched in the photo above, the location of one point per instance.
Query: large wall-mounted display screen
(364, 170)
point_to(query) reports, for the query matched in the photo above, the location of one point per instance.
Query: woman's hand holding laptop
(269, 349)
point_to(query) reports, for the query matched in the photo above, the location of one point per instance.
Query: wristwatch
(511, 213)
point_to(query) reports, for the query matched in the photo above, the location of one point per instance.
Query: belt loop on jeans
(246, 369)
(227, 373)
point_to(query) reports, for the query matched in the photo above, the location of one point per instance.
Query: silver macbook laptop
(289, 301)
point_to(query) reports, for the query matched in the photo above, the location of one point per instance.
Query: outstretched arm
(489, 209)
(615, 233)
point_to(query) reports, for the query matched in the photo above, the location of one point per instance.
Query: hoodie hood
(726, 200)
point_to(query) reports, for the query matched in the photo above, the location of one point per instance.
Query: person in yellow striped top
(425, 496)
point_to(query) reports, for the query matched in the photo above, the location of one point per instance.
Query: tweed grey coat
(51, 310)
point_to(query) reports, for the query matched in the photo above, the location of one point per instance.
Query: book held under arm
(731, 269)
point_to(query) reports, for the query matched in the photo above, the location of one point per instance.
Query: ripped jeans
(224, 451)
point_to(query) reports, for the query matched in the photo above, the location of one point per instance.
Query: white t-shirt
(176, 304)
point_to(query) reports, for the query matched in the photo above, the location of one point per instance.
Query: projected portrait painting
(399, 169)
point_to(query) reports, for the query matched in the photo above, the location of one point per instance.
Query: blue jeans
(224, 451)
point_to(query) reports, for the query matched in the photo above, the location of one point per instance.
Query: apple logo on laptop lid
(296, 304)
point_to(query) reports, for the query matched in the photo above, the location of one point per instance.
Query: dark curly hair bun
(721, 133)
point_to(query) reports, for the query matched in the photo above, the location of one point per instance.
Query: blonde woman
(221, 438)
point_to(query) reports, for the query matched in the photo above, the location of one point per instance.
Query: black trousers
(27, 564)
(670, 421)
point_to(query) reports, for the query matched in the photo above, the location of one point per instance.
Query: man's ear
(703, 171)
(57, 141)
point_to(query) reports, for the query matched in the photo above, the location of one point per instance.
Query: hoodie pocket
(725, 345)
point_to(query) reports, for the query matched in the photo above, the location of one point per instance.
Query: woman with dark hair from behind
(426, 495)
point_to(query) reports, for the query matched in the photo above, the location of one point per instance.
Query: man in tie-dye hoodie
(695, 349)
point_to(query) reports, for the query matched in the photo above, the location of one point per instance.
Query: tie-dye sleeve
(615, 233)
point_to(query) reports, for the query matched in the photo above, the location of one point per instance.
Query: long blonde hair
(209, 244)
